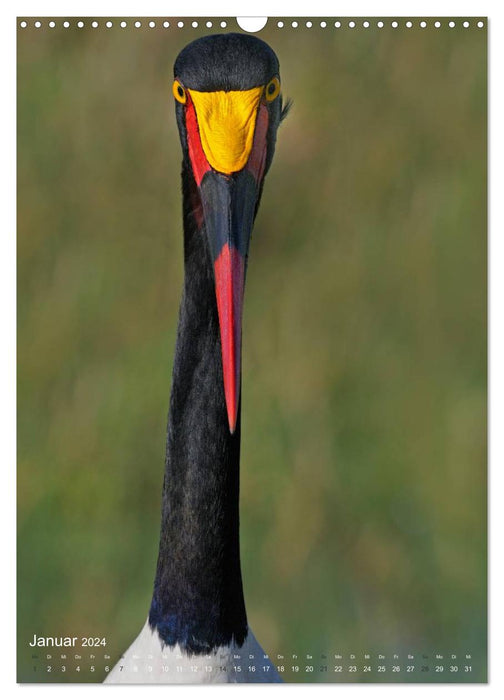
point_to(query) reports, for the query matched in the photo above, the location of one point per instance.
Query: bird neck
(198, 595)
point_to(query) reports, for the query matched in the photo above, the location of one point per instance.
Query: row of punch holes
(280, 24)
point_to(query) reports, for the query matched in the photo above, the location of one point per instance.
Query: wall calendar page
(252, 350)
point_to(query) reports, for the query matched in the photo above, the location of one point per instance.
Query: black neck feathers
(198, 596)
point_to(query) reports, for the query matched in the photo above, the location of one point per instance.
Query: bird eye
(272, 89)
(178, 92)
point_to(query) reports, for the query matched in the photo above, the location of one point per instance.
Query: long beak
(228, 208)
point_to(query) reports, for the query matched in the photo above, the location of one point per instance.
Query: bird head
(228, 107)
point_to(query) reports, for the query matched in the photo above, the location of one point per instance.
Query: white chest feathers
(147, 661)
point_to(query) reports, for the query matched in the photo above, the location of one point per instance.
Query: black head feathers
(226, 62)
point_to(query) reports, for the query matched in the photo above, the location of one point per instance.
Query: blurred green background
(363, 500)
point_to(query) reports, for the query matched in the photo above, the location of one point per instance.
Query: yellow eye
(272, 89)
(178, 92)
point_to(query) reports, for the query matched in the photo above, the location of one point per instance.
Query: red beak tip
(232, 418)
(229, 282)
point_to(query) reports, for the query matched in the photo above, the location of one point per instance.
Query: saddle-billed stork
(228, 109)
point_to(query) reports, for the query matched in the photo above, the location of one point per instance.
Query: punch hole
(166, 25)
(280, 24)
(252, 24)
